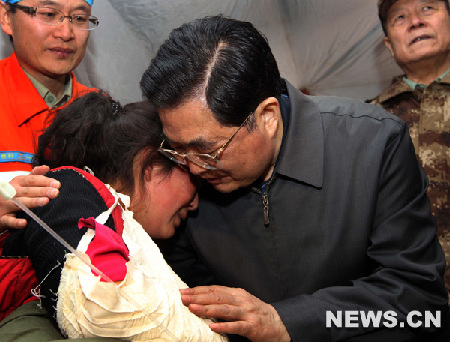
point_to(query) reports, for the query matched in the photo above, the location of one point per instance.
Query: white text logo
(378, 319)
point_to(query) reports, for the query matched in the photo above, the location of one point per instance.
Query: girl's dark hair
(97, 132)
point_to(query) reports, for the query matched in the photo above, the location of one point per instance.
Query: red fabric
(17, 279)
(23, 112)
(107, 250)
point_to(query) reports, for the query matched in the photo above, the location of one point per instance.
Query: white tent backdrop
(328, 47)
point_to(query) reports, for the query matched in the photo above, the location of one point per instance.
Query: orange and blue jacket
(23, 115)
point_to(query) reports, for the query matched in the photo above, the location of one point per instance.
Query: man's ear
(388, 44)
(5, 20)
(268, 115)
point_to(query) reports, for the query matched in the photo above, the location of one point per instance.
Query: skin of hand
(33, 190)
(244, 314)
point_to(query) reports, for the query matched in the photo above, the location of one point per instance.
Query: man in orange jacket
(34, 80)
(38, 76)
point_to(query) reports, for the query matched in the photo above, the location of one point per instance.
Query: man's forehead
(191, 126)
(187, 116)
(197, 142)
(388, 4)
(385, 6)
(189, 136)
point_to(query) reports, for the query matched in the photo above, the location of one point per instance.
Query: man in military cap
(417, 33)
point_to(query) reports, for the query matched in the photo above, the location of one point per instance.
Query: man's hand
(33, 190)
(244, 314)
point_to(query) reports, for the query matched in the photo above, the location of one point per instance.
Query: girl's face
(165, 202)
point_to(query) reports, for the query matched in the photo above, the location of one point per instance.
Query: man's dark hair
(383, 9)
(226, 61)
(95, 131)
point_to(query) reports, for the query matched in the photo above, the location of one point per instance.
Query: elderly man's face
(417, 29)
(248, 157)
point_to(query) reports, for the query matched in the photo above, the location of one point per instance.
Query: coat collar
(28, 102)
(399, 86)
(301, 155)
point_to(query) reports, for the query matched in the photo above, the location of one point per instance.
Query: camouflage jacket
(427, 113)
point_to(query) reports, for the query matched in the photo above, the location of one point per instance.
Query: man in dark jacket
(314, 208)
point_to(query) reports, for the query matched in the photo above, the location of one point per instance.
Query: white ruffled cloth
(145, 306)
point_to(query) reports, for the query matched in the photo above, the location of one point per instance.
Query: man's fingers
(197, 290)
(220, 311)
(9, 207)
(9, 221)
(207, 295)
(35, 181)
(245, 314)
(33, 202)
(40, 170)
(35, 186)
(35, 192)
(237, 328)
(32, 190)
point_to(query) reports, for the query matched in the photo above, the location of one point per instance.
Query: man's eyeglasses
(52, 16)
(203, 160)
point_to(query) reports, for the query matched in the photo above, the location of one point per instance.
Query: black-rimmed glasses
(52, 16)
(203, 160)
